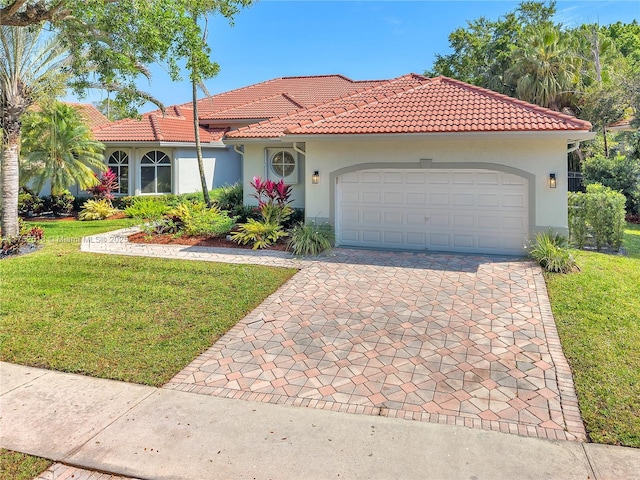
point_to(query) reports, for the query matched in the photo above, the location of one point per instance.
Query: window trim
(154, 163)
(115, 166)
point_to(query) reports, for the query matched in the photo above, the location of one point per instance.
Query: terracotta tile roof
(90, 113)
(284, 94)
(415, 104)
(175, 126)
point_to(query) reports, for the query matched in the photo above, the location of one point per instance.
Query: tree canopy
(592, 71)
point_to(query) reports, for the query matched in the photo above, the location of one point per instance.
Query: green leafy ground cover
(597, 312)
(20, 466)
(125, 318)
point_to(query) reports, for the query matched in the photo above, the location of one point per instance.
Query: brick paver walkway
(464, 340)
(59, 471)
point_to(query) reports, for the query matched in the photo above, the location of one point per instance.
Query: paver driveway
(466, 340)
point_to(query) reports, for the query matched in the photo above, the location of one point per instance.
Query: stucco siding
(255, 165)
(537, 157)
(534, 156)
(222, 167)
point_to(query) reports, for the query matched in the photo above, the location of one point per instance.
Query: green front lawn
(126, 318)
(598, 315)
(20, 466)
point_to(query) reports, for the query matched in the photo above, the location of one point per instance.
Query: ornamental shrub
(97, 210)
(619, 173)
(551, 252)
(260, 233)
(107, 184)
(311, 238)
(61, 204)
(597, 217)
(29, 203)
(147, 208)
(198, 219)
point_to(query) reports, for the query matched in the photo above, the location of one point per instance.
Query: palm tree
(545, 70)
(58, 146)
(31, 69)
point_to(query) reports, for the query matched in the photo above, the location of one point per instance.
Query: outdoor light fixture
(315, 178)
(552, 180)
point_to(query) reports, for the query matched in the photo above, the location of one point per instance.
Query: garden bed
(200, 241)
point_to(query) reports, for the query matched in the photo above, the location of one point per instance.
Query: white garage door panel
(467, 210)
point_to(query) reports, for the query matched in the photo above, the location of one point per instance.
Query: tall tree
(31, 69)
(482, 52)
(192, 45)
(545, 70)
(111, 43)
(58, 147)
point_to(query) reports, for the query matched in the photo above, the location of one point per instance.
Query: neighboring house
(408, 163)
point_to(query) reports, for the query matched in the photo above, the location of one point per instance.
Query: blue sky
(362, 40)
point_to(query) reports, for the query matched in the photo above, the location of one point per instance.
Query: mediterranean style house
(407, 163)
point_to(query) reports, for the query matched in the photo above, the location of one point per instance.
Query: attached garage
(451, 210)
(424, 164)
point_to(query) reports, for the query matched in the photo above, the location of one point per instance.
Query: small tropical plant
(260, 233)
(164, 226)
(274, 205)
(198, 219)
(146, 208)
(311, 238)
(29, 203)
(59, 204)
(96, 210)
(551, 252)
(229, 197)
(108, 183)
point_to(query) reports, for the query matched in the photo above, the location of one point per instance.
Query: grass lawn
(126, 318)
(20, 466)
(598, 316)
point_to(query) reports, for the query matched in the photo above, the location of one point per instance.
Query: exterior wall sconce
(315, 178)
(552, 180)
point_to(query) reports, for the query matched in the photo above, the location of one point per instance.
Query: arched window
(155, 172)
(119, 164)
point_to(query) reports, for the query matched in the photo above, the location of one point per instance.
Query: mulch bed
(200, 241)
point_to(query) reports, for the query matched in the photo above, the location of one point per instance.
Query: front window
(155, 172)
(283, 164)
(119, 164)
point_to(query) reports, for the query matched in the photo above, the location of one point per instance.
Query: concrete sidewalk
(152, 433)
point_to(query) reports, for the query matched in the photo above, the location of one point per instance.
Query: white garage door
(475, 211)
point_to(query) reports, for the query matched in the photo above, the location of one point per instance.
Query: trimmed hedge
(596, 217)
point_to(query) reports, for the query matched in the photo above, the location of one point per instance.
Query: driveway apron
(456, 339)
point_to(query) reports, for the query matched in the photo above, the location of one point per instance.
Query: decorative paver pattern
(60, 471)
(464, 340)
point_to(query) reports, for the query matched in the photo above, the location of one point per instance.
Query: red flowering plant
(273, 200)
(108, 183)
(273, 203)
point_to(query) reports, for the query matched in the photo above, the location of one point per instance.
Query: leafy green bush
(122, 203)
(273, 204)
(164, 226)
(228, 197)
(198, 219)
(551, 252)
(262, 234)
(97, 210)
(311, 238)
(148, 208)
(597, 215)
(619, 173)
(29, 203)
(59, 204)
